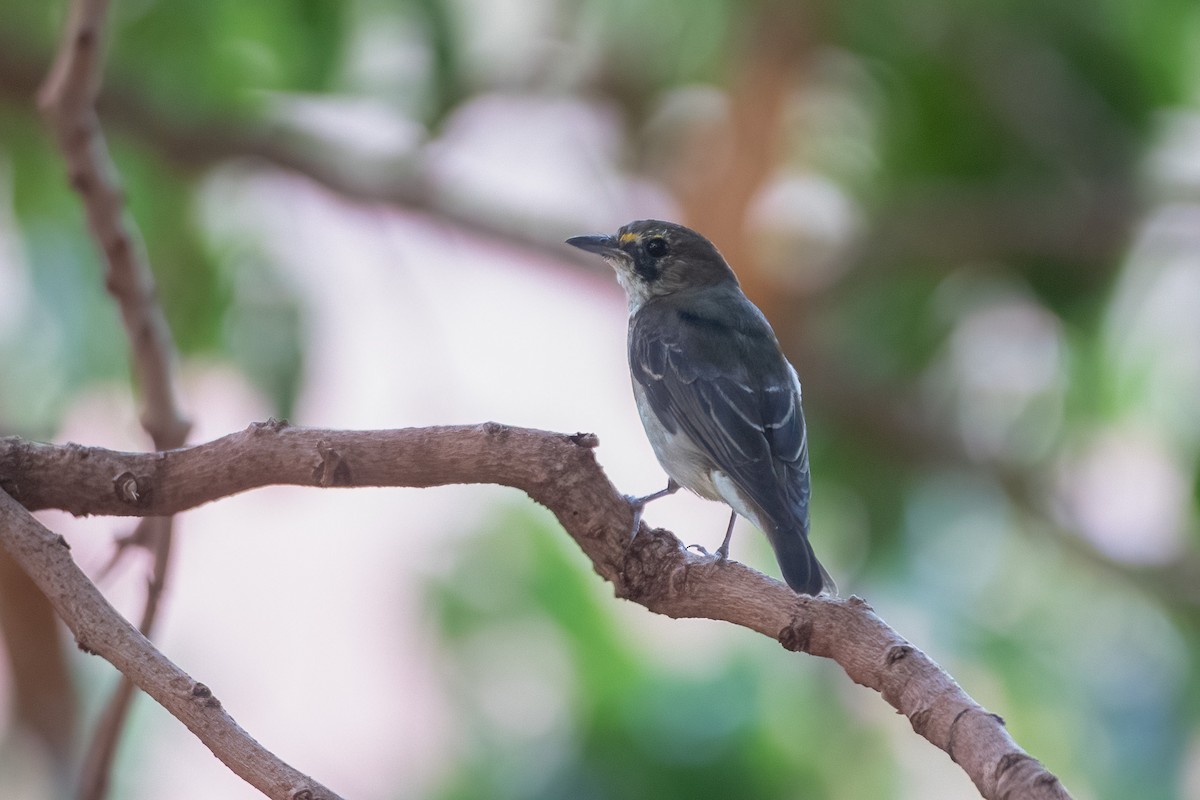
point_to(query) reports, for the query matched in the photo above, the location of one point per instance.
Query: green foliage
(561, 700)
(70, 335)
(214, 58)
(160, 204)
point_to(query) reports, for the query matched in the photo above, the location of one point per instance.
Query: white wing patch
(729, 493)
(787, 418)
(737, 407)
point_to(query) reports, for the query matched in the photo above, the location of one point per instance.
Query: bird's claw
(634, 528)
(638, 505)
(721, 553)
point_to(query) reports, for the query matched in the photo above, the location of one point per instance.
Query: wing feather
(725, 384)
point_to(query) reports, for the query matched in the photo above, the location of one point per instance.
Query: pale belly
(688, 465)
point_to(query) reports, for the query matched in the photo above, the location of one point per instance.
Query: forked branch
(68, 101)
(560, 472)
(99, 628)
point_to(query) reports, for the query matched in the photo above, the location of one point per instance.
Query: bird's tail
(799, 563)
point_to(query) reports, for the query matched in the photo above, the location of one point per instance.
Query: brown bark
(561, 473)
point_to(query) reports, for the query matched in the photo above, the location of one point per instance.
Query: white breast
(687, 464)
(676, 452)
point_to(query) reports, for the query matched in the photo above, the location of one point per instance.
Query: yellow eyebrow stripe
(626, 238)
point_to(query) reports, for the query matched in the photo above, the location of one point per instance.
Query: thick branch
(100, 629)
(561, 473)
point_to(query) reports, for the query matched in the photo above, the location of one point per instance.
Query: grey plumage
(719, 402)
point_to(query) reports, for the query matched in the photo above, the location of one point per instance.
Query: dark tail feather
(799, 563)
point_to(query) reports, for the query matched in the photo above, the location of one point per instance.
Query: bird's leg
(723, 551)
(638, 504)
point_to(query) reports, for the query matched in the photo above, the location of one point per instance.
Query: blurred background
(975, 227)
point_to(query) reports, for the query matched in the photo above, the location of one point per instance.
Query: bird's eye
(657, 247)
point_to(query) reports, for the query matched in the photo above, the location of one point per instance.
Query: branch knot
(589, 441)
(126, 487)
(797, 636)
(651, 568)
(332, 470)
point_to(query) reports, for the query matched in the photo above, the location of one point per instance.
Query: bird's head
(653, 258)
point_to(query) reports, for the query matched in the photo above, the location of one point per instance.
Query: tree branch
(155, 534)
(99, 628)
(561, 473)
(68, 99)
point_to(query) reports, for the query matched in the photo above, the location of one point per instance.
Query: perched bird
(719, 402)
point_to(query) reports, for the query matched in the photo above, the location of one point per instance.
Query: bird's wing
(714, 371)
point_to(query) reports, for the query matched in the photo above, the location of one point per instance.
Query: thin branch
(155, 534)
(68, 99)
(99, 628)
(561, 473)
(42, 692)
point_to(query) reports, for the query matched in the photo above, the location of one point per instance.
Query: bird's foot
(638, 505)
(638, 508)
(720, 554)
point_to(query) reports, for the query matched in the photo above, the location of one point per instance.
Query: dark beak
(601, 245)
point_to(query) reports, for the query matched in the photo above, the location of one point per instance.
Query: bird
(719, 402)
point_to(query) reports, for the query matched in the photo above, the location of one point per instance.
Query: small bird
(719, 402)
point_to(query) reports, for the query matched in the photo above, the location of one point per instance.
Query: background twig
(99, 628)
(68, 99)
